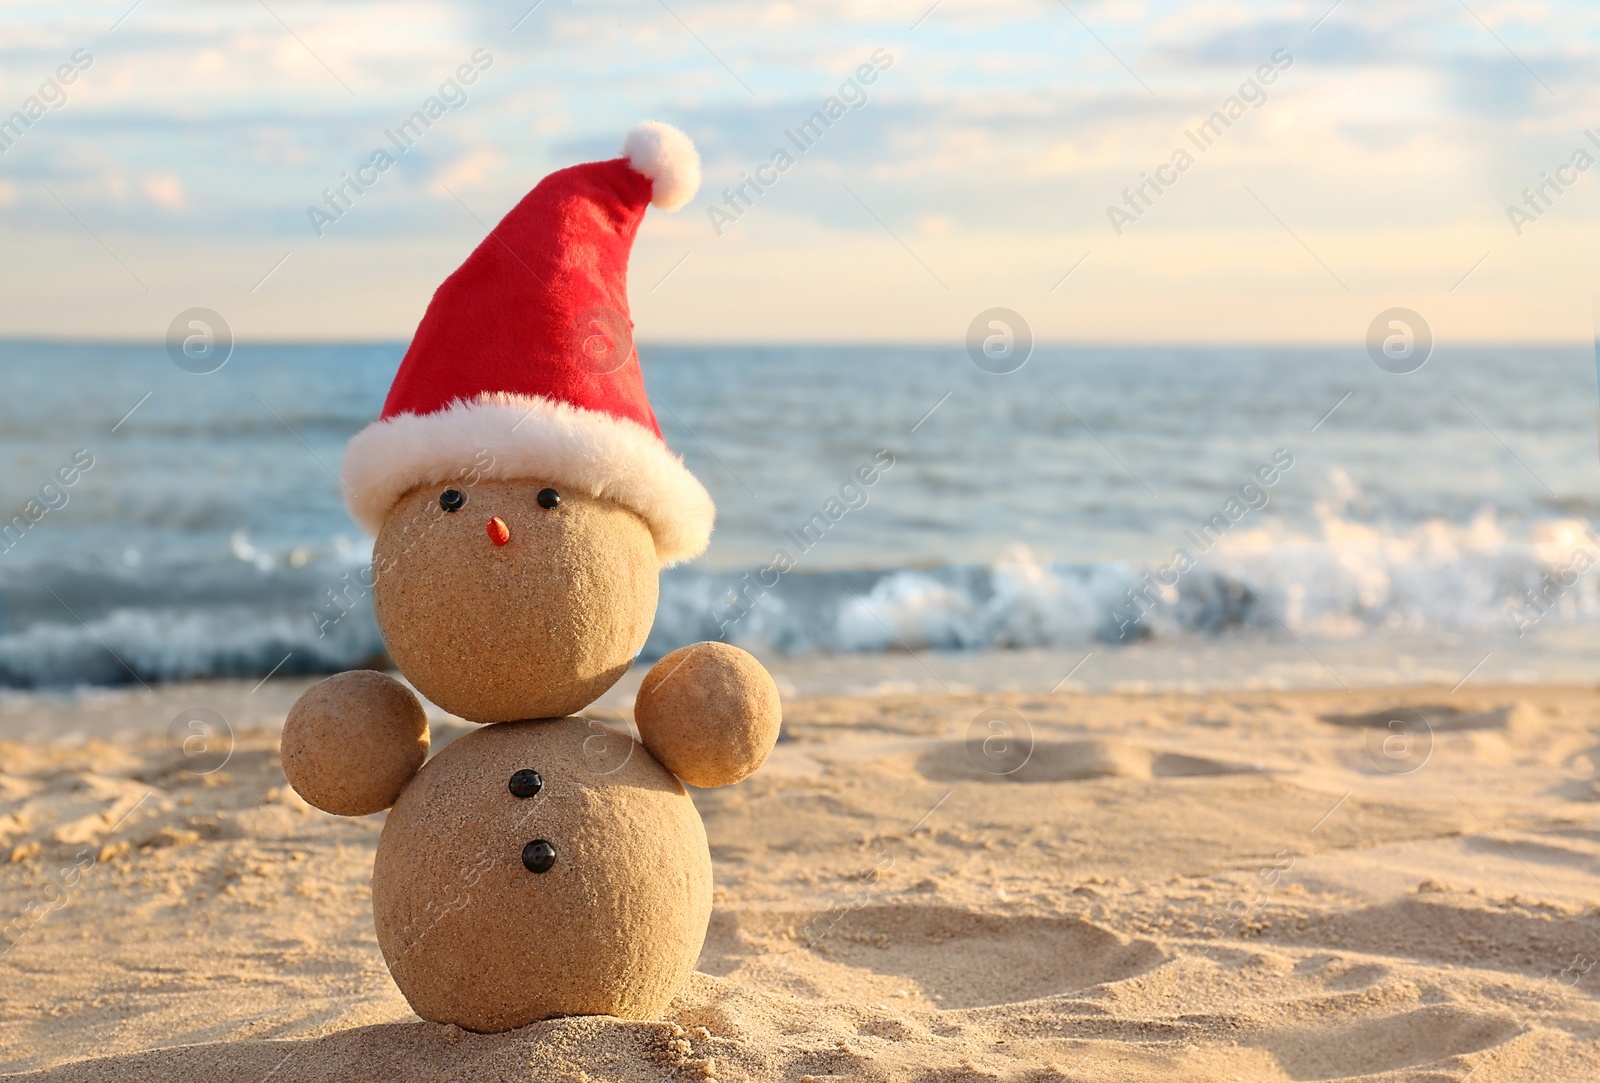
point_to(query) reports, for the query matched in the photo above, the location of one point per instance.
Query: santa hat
(524, 364)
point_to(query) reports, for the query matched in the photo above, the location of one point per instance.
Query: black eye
(526, 783)
(452, 500)
(548, 498)
(538, 856)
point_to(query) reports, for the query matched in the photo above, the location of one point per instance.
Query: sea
(888, 516)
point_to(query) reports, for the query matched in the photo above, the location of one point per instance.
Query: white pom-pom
(667, 156)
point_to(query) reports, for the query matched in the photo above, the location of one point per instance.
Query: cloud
(472, 171)
(164, 190)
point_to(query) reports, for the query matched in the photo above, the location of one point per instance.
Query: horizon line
(850, 344)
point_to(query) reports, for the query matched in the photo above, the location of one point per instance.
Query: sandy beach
(1134, 465)
(1259, 885)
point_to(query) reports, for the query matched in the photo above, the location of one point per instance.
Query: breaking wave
(246, 612)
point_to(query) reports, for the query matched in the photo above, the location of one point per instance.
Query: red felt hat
(524, 365)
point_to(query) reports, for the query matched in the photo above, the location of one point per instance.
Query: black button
(526, 783)
(539, 856)
(452, 500)
(548, 498)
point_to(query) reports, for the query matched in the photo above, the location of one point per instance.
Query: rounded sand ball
(710, 713)
(498, 607)
(353, 741)
(500, 899)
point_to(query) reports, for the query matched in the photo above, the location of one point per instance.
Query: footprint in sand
(1070, 761)
(957, 958)
(1327, 1049)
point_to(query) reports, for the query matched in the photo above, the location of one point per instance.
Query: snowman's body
(611, 926)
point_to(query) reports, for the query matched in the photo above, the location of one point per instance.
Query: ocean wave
(1352, 580)
(246, 612)
(156, 645)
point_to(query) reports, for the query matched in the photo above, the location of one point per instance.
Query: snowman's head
(512, 599)
(523, 379)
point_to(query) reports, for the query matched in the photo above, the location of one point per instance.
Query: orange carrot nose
(499, 533)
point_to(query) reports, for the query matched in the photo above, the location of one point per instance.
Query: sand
(1224, 886)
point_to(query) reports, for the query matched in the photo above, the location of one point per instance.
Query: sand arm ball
(710, 713)
(353, 741)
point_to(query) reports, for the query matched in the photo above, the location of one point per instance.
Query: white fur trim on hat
(667, 156)
(504, 436)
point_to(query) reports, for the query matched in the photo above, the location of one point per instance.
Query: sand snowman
(524, 504)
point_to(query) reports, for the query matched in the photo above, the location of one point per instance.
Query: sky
(977, 171)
